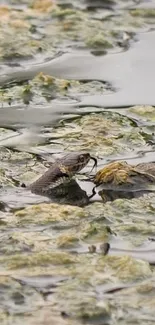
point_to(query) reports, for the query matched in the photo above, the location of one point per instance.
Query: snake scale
(61, 171)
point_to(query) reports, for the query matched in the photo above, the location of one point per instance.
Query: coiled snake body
(61, 171)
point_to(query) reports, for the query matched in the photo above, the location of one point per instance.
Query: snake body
(60, 172)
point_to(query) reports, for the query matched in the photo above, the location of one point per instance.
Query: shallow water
(76, 76)
(130, 73)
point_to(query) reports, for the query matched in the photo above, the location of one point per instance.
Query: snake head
(74, 162)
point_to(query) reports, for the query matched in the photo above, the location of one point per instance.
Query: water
(76, 76)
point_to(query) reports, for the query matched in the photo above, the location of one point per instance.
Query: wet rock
(105, 248)
(92, 249)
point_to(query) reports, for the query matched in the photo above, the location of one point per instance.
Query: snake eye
(82, 158)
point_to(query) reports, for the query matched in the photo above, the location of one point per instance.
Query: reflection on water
(109, 195)
(68, 193)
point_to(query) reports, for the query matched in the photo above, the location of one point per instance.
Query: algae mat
(61, 64)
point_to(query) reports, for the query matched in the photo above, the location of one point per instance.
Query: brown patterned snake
(61, 171)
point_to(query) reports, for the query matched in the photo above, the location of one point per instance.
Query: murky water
(76, 76)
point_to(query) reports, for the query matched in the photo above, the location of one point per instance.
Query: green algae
(38, 259)
(147, 13)
(98, 41)
(94, 232)
(134, 137)
(83, 306)
(126, 268)
(45, 88)
(28, 242)
(6, 179)
(26, 94)
(67, 241)
(101, 271)
(41, 88)
(127, 217)
(146, 112)
(49, 239)
(67, 24)
(21, 23)
(85, 271)
(105, 132)
(58, 12)
(15, 25)
(141, 304)
(14, 294)
(46, 213)
(16, 166)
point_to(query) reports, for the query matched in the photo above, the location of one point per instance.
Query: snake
(61, 171)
